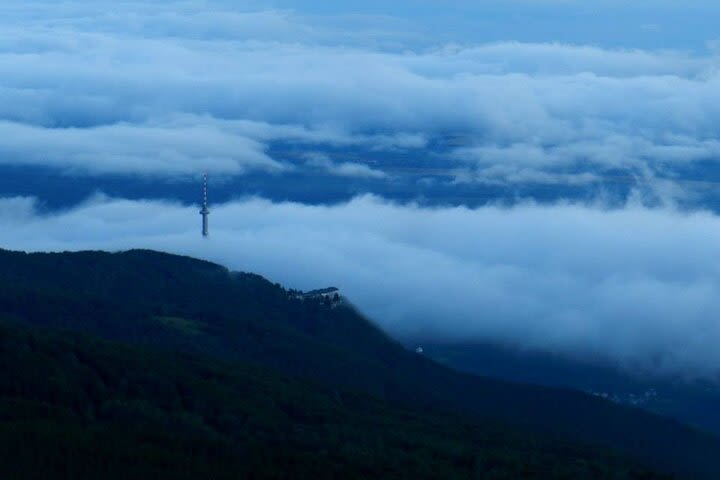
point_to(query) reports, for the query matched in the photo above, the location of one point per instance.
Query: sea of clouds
(168, 89)
(173, 88)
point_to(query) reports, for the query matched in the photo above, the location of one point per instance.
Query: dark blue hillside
(180, 304)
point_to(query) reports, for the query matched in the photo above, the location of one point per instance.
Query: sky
(588, 129)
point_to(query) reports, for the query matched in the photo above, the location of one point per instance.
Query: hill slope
(78, 408)
(181, 304)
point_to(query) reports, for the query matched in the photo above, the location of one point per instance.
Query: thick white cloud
(158, 148)
(638, 287)
(177, 87)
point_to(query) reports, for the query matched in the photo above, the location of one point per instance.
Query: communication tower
(204, 211)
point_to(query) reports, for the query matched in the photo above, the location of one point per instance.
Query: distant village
(632, 399)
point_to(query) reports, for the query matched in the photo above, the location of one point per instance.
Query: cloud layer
(173, 88)
(636, 287)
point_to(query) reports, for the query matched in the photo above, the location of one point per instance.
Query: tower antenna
(205, 212)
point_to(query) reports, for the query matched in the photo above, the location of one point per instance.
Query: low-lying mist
(637, 287)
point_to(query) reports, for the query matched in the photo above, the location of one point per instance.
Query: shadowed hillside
(177, 304)
(78, 408)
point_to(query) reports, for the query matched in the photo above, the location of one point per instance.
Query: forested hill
(171, 305)
(77, 408)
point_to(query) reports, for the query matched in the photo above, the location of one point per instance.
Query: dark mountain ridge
(178, 304)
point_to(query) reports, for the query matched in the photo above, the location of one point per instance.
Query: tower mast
(205, 212)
